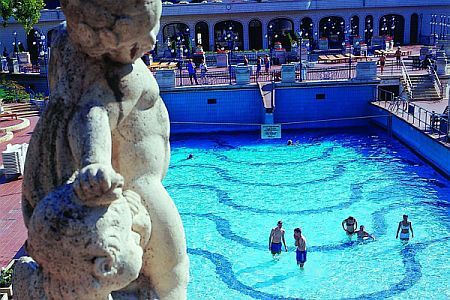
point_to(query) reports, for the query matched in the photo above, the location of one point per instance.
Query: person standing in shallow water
(275, 238)
(300, 243)
(405, 227)
(350, 225)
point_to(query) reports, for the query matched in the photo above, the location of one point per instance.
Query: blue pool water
(237, 187)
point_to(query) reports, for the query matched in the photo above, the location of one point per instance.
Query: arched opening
(393, 26)
(368, 30)
(35, 45)
(307, 29)
(178, 39)
(332, 28)
(51, 4)
(354, 26)
(414, 30)
(228, 35)
(255, 35)
(202, 35)
(281, 30)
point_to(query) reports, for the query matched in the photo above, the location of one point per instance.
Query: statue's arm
(89, 136)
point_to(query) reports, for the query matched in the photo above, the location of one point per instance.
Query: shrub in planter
(12, 91)
(6, 281)
(6, 278)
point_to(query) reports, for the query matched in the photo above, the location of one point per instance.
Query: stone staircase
(22, 110)
(423, 88)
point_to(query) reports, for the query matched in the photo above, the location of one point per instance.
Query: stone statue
(102, 146)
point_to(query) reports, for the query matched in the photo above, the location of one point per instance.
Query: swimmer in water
(190, 156)
(363, 234)
(290, 143)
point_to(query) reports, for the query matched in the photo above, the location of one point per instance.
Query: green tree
(6, 10)
(28, 12)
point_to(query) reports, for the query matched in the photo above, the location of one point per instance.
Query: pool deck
(13, 233)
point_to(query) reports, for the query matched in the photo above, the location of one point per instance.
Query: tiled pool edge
(425, 146)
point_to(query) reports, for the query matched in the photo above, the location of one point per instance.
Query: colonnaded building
(260, 24)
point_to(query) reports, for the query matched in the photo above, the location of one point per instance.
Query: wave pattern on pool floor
(234, 190)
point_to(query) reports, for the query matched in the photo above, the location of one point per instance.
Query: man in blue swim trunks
(275, 238)
(300, 242)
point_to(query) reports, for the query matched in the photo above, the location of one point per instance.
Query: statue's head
(121, 30)
(99, 249)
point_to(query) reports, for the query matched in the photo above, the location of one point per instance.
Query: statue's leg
(165, 259)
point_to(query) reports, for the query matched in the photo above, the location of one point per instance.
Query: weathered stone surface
(93, 173)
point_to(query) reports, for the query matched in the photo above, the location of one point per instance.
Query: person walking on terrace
(405, 226)
(382, 62)
(258, 67)
(192, 72)
(266, 64)
(203, 70)
(245, 60)
(275, 238)
(398, 57)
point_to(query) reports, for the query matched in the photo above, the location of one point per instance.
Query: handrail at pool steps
(437, 83)
(407, 80)
(429, 122)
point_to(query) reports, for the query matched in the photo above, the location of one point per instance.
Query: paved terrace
(12, 229)
(319, 71)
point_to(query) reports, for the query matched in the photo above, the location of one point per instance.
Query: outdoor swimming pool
(236, 188)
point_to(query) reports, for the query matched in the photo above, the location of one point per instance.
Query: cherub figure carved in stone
(106, 130)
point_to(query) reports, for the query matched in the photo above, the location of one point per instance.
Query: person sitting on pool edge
(350, 225)
(275, 238)
(300, 243)
(363, 234)
(405, 226)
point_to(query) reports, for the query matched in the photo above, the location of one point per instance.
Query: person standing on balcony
(192, 72)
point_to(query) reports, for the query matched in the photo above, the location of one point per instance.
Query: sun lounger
(341, 58)
(323, 58)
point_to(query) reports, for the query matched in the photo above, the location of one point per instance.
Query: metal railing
(432, 123)
(332, 73)
(407, 81)
(437, 83)
(223, 76)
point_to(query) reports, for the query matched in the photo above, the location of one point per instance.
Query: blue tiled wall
(434, 152)
(301, 105)
(293, 104)
(243, 106)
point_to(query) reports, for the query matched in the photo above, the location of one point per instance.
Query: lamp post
(393, 29)
(300, 54)
(349, 49)
(230, 37)
(269, 38)
(16, 46)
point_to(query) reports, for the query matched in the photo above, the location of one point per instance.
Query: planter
(7, 290)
